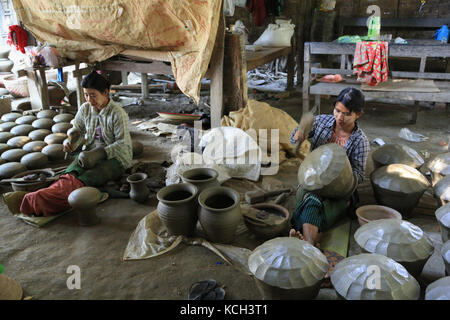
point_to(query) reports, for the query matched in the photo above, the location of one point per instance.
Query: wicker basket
(18, 87)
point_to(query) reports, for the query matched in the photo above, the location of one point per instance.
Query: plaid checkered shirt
(357, 147)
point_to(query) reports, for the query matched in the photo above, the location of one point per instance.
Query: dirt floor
(38, 258)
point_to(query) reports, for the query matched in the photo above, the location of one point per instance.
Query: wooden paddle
(305, 125)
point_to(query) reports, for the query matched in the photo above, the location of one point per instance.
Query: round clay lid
(322, 166)
(10, 289)
(34, 160)
(49, 114)
(39, 134)
(12, 116)
(288, 263)
(443, 215)
(10, 169)
(442, 188)
(7, 126)
(85, 197)
(438, 290)
(63, 117)
(34, 146)
(5, 136)
(400, 178)
(25, 119)
(397, 239)
(61, 127)
(43, 123)
(350, 279)
(397, 153)
(13, 155)
(22, 129)
(18, 142)
(440, 164)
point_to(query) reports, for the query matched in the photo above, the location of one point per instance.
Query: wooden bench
(417, 51)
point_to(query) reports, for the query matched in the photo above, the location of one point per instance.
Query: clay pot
(34, 146)
(288, 268)
(55, 138)
(369, 213)
(177, 208)
(7, 126)
(34, 160)
(139, 191)
(4, 147)
(138, 148)
(43, 123)
(445, 252)
(39, 134)
(442, 190)
(32, 186)
(400, 240)
(7, 170)
(439, 167)
(5, 136)
(438, 290)
(202, 178)
(46, 114)
(396, 153)
(273, 222)
(398, 186)
(25, 119)
(84, 200)
(350, 278)
(55, 95)
(54, 152)
(219, 213)
(61, 127)
(6, 65)
(89, 159)
(11, 117)
(22, 129)
(18, 142)
(13, 155)
(327, 172)
(443, 217)
(63, 117)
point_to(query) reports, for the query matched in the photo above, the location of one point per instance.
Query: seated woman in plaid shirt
(309, 218)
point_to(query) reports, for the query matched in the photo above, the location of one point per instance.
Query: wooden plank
(396, 22)
(395, 74)
(156, 67)
(423, 61)
(259, 58)
(343, 59)
(146, 55)
(82, 72)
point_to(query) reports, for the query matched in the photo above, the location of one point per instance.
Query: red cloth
(20, 40)
(52, 200)
(258, 7)
(371, 62)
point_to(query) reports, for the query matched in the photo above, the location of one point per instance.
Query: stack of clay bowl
(373, 277)
(326, 171)
(398, 186)
(438, 290)
(443, 218)
(397, 239)
(439, 167)
(6, 65)
(10, 145)
(396, 153)
(288, 268)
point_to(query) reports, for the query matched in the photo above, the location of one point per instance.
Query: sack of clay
(277, 35)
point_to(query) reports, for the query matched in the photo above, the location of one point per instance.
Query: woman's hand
(299, 136)
(67, 147)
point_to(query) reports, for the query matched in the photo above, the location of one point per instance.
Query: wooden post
(80, 93)
(144, 85)
(291, 66)
(124, 77)
(306, 73)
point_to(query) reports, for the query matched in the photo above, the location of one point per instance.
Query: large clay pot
(32, 186)
(439, 167)
(4, 147)
(219, 213)
(63, 117)
(7, 170)
(398, 186)
(55, 138)
(34, 146)
(55, 95)
(442, 190)
(54, 152)
(288, 268)
(61, 127)
(84, 200)
(5, 136)
(13, 155)
(22, 129)
(43, 123)
(393, 282)
(326, 171)
(177, 208)
(396, 153)
(18, 142)
(443, 217)
(139, 191)
(34, 160)
(400, 240)
(445, 253)
(11, 117)
(438, 290)
(267, 220)
(25, 119)
(46, 114)
(6, 65)
(39, 134)
(202, 178)
(7, 126)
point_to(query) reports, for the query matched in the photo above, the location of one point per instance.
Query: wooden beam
(156, 67)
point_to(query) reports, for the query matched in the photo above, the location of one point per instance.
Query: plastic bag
(407, 134)
(43, 56)
(228, 8)
(277, 35)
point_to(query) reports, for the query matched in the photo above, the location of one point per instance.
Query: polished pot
(138, 188)
(219, 213)
(177, 208)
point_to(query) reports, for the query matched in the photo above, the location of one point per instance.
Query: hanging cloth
(258, 8)
(17, 37)
(371, 62)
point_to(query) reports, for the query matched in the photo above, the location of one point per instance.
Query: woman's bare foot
(296, 234)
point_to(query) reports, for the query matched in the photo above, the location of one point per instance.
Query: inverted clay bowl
(11, 116)
(43, 123)
(177, 208)
(18, 142)
(398, 186)
(39, 134)
(34, 146)
(445, 252)
(4, 147)
(34, 160)
(61, 127)
(350, 279)
(63, 117)
(13, 155)
(55, 138)
(369, 213)
(47, 114)
(288, 268)
(9, 169)
(400, 240)
(54, 152)
(443, 217)
(5, 136)
(84, 200)
(396, 153)
(22, 129)
(267, 220)
(202, 178)
(32, 186)
(26, 119)
(438, 290)
(439, 166)
(327, 171)
(7, 126)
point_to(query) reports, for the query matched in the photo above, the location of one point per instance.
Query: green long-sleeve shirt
(113, 121)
